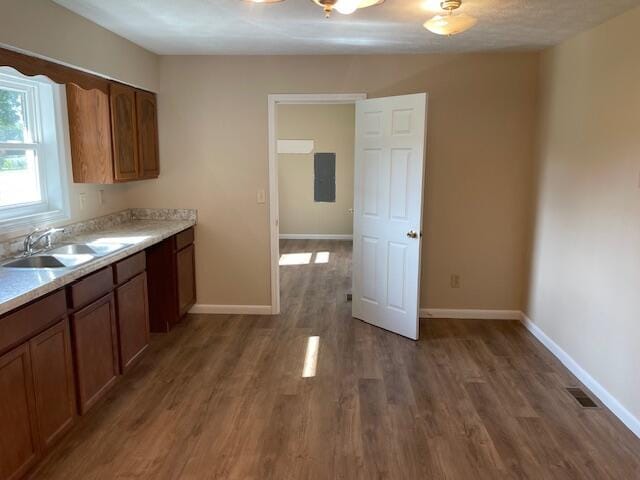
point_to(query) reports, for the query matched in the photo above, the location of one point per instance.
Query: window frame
(47, 124)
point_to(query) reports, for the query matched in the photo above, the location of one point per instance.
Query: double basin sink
(65, 256)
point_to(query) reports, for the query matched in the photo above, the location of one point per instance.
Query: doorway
(315, 148)
(275, 102)
(389, 158)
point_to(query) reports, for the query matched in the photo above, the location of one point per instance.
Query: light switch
(101, 199)
(82, 200)
(262, 196)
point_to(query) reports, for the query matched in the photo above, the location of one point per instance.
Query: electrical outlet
(101, 199)
(82, 200)
(455, 281)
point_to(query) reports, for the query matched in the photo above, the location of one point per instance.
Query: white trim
(274, 222)
(591, 383)
(314, 236)
(319, 98)
(48, 123)
(231, 309)
(470, 314)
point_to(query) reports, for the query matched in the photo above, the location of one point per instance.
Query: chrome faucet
(30, 241)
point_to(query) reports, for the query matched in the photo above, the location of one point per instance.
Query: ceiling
(227, 27)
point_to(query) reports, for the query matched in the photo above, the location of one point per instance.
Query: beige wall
(585, 274)
(44, 28)
(213, 143)
(332, 128)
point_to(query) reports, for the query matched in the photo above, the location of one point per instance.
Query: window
(32, 171)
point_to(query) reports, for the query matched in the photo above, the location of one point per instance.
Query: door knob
(412, 234)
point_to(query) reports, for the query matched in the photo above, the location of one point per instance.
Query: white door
(389, 170)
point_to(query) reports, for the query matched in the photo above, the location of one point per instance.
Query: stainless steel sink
(37, 261)
(73, 249)
(65, 256)
(96, 249)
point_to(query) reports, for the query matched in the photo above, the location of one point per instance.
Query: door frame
(274, 213)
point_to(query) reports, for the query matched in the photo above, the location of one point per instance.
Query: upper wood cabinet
(147, 115)
(90, 135)
(114, 134)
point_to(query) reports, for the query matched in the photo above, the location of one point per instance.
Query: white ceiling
(299, 27)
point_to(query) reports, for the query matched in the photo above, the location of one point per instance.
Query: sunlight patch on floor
(322, 257)
(311, 357)
(295, 258)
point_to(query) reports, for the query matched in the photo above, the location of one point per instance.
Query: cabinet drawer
(184, 238)
(129, 267)
(26, 322)
(91, 288)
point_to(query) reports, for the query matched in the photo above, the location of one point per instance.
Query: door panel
(133, 319)
(90, 135)
(95, 342)
(53, 382)
(389, 170)
(147, 116)
(396, 298)
(124, 132)
(18, 429)
(186, 272)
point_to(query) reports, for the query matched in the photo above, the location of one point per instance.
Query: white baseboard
(470, 314)
(598, 390)
(232, 309)
(314, 236)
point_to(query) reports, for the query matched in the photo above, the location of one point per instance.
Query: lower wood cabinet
(37, 404)
(54, 389)
(95, 346)
(53, 366)
(133, 319)
(18, 423)
(171, 277)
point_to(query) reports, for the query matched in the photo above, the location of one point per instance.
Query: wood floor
(223, 397)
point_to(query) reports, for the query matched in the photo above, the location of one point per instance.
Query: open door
(389, 170)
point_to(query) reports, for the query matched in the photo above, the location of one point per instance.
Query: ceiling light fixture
(345, 7)
(450, 24)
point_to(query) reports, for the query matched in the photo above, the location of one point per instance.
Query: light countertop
(20, 286)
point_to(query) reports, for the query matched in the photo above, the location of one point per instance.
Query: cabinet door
(18, 428)
(90, 135)
(186, 271)
(95, 345)
(147, 116)
(53, 382)
(133, 319)
(124, 132)
(162, 286)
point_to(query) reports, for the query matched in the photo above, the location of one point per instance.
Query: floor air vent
(582, 398)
